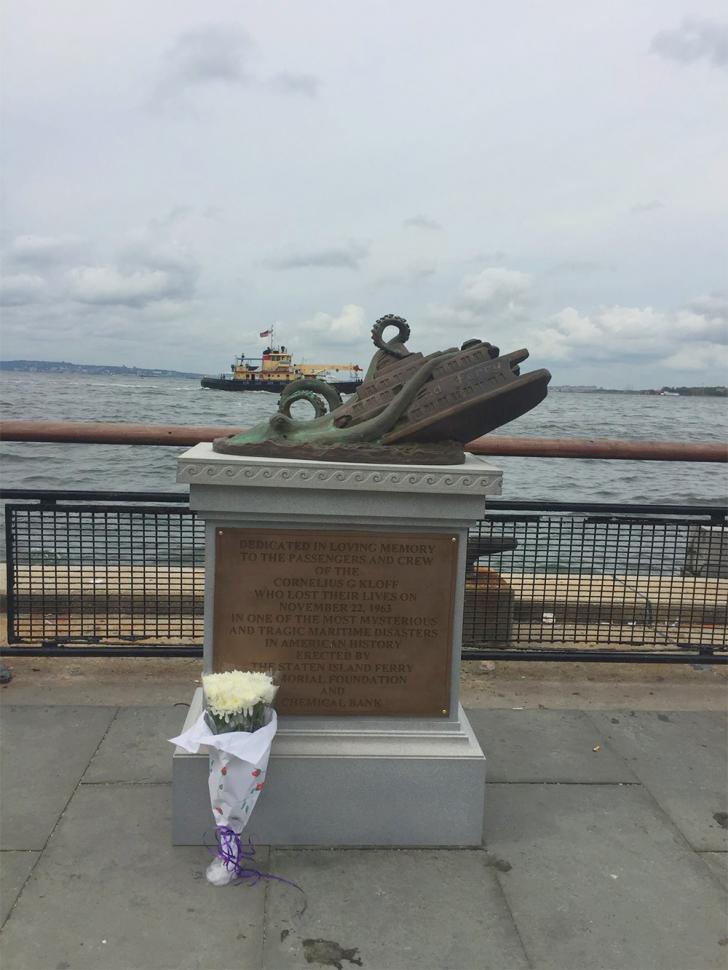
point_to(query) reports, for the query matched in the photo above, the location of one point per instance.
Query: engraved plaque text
(353, 622)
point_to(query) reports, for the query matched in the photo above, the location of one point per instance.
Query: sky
(179, 176)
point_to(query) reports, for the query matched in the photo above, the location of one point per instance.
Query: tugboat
(275, 370)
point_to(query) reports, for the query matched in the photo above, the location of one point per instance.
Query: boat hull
(228, 384)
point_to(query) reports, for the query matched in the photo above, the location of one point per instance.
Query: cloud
(422, 222)
(696, 39)
(212, 53)
(306, 85)
(701, 358)
(107, 285)
(139, 296)
(618, 334)
(501, 301)
(348, 326)
(336, 257)
(495, 298)
(496, 290)
(145, 274)
(651, 206)
(44, 250)
(494, 302)
(20, 289)
(713, 306)
(222, 54)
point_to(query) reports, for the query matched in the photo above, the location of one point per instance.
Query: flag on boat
(265, 333)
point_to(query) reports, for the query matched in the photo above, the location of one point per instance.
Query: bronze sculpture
(410, 408)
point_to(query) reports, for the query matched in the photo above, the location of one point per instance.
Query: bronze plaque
(353, 622)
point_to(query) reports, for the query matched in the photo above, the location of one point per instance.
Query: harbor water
(73, 397)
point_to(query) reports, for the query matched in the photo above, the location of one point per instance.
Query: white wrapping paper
(238, 766)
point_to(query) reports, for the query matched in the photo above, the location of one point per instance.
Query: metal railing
(120, 572)
(118, 433)
(652, 577)
(104, 566)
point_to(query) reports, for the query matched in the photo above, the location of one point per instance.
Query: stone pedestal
(374, 779)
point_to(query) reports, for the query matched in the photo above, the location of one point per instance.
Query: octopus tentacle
(327, 391)
(387, 348)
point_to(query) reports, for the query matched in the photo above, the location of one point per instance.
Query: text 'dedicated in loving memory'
(352, 622)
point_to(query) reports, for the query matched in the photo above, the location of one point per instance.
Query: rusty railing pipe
(179, 435)
(107, 433)
(600, 448)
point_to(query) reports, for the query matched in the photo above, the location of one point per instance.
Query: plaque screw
(454, 539)
(444, 710)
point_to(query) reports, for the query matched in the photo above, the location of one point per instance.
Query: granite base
(351, 782)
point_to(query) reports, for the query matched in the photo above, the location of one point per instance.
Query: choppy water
(165, 401)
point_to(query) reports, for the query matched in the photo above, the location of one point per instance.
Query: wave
(17, 458)
(43, 481)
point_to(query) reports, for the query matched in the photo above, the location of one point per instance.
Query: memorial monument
(336, 555)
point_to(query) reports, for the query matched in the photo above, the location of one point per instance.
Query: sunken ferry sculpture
(410, 409)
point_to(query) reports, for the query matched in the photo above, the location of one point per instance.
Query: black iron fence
(589, 576)
(110, 570)
(124, 571)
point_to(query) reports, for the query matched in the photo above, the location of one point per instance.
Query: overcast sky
(180, 175)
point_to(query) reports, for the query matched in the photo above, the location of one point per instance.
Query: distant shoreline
(65, 367)
(660, 392)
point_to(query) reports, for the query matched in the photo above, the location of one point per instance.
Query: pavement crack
(508, 909)
(60, 816)
(264, 932)
(585, 784)
(119, 781)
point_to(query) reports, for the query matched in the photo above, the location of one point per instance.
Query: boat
(275, 371)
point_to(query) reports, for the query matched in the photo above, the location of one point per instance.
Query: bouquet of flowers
(238, 726)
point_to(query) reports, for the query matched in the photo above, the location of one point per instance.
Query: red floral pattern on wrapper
(234, 783)
(234, 788)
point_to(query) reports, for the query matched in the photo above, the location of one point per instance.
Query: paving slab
(533, 746)
(389, 909)
(44, 752)
(136, 747)
(717, 862)
(15, 868)
(600, 878)
(111, 892)
(680, 756)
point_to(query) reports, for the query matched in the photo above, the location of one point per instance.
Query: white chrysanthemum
(264, 685)
(237, 691)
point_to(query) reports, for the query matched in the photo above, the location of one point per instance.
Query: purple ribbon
(232, 852)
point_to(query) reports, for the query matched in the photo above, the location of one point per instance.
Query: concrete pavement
(604, 847)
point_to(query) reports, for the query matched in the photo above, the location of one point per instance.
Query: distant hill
(64, 367)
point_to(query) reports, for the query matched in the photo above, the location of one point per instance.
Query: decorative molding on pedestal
(202, 466)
